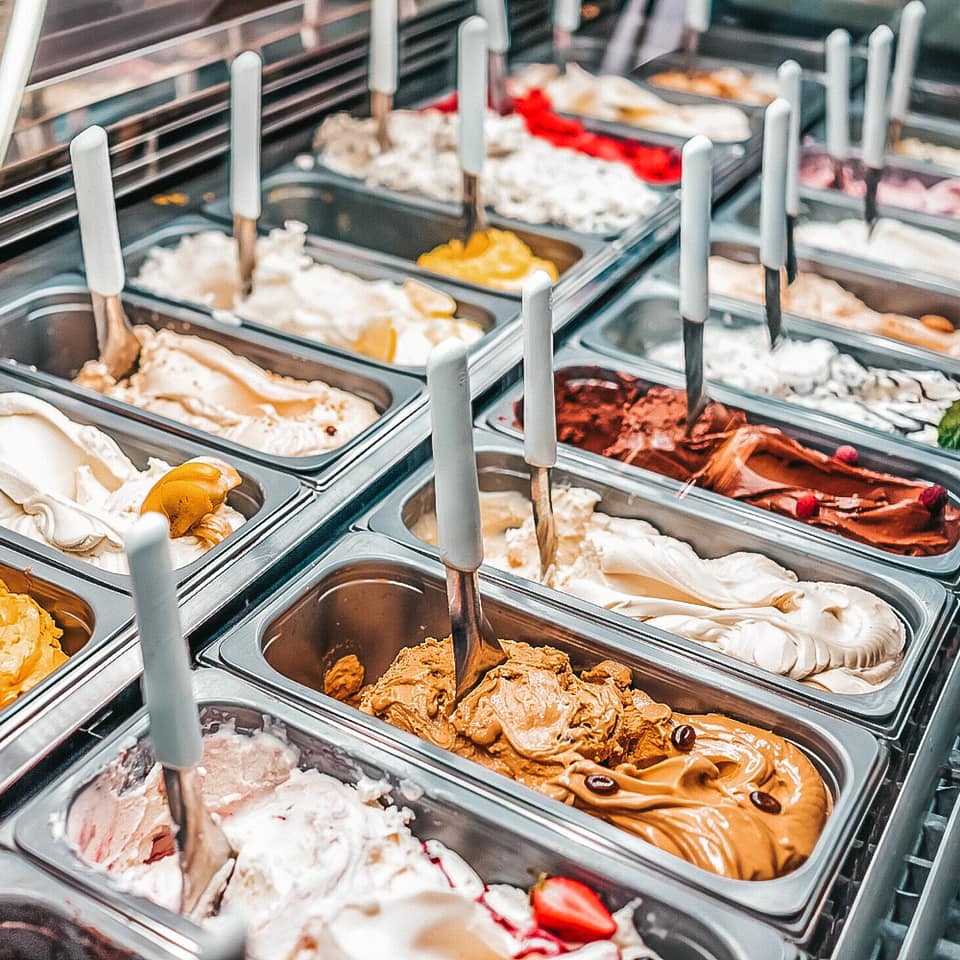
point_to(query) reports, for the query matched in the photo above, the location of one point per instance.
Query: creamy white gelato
(814, 373)
(525, 178)
(70, 486)
(394, 322)
(204, 385)
(324, 870)
(829, 635)
(620, 100)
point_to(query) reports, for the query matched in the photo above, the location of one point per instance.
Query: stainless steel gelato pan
(924, 607)
(876, 451)
(371, 598)
(50, 333)
(504, 842)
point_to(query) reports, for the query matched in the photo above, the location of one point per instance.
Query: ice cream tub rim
(877, 450)
(923, 605)
(850, 759)
(492, 311)
(395, 394)
(349, 752)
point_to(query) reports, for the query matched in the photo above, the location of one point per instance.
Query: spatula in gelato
(79, 493)
(324, 869)
(726, 83)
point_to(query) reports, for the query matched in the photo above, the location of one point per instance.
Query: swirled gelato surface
(620, 100)
(814, 373)
(324, 869)
(393, 322)
(493, 258)
(524, 178)
(29, 644)
(937, 153)
(644, 425)
(822, 299)
(538, 721)
(79, 493)
(727, 83)
(204, 385)
(829, 635)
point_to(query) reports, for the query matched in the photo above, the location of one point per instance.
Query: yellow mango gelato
(492, 258)
(29, 644)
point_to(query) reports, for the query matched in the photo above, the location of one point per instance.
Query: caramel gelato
(493, 258)
(938, 153)
(726, 83)
(201, 384)
(29, 645)
(725, 796)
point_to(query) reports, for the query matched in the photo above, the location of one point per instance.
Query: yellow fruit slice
(378, 341)
(428, 300)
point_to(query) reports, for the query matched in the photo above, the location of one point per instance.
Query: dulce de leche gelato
(726, 796)
(726, 83)
(644, 425)
(202, 384)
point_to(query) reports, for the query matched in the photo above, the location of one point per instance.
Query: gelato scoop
(822, 299)
(814, 373)
(730, 798)
(524, 178)
(940, 154)
(644, 425)
(620, 100)
(324, 869)
(29, 644)
(79, 493)
(201, 384)
(493, 258)
(727, 83)
(392, 322)
(828, 635)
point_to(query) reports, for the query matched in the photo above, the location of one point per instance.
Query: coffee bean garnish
(683, 737)
(331, 430)
(763, 801)
(601, 784)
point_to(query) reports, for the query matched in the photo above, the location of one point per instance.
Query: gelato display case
(720, 719)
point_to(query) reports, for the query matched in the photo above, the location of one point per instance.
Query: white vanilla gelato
(394, 322)
(324, 870)
(836, 637)
(525, 178)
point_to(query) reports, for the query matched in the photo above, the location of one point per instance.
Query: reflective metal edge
(877, 451)
(395, 394)
(865, 349)
(923, 605)
(493, 829)
(267, 492)
(876, 892)
(851, 759)
(495, 313)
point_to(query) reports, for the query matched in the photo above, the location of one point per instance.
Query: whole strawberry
(570, 910)
(934, 498)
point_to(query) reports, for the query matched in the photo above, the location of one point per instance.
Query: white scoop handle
(875, 98)
(382, 76)
(245, 81)
(838, 94)
(697, 15)
(773, 185)
(788, 77)
(495, 13)
(455, 467)
(696, 195)
(911, 26)
(472, 92)
(566, 15)
(174, 726)
(16, 61)
(539, 405)
(99, 233)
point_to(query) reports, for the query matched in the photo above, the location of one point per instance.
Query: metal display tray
(877, 451)
(396, 228)
(262, 497)
(50, 333)
(647, 315)
(924, 607)
(493, 313)
(371, 597)
(500, 839)
(871, 283)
